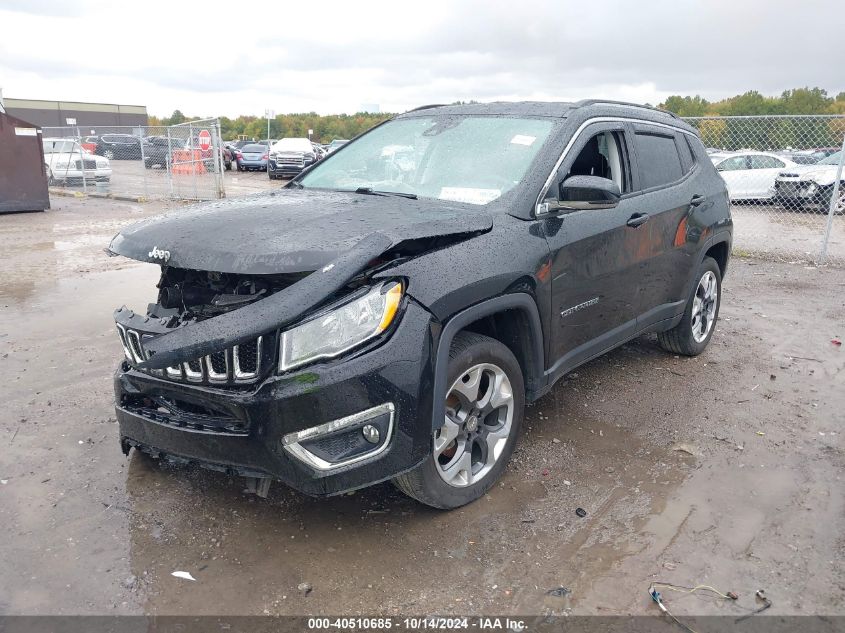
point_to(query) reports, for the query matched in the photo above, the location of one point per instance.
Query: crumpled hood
(821, 174)
(288, 230)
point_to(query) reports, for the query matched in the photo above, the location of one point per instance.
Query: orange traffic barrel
(187, 161)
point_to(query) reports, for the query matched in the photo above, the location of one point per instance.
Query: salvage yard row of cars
(281, 159)
(793, 180)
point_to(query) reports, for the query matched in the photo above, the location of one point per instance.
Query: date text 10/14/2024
(418, 624)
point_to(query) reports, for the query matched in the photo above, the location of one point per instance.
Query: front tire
(827, 197)
(691, 336)
(484, 408)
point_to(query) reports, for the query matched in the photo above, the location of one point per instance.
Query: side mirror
(578, 193)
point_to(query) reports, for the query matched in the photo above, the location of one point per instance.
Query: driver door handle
(637, 219)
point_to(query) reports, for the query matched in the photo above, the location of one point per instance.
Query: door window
(684, 148)
(604, 156)
(733, 163)
(658, 160)
(758, 161)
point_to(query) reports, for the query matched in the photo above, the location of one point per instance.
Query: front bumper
(252, 164)
(286, 169)
(797, 191)
(77, 174)
(394, 376)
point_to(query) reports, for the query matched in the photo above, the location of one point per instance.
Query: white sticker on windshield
(521, 139)
(469, 194)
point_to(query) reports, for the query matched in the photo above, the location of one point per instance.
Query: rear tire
(484, 408)
(691, 336)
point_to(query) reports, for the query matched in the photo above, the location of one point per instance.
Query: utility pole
(270, 114)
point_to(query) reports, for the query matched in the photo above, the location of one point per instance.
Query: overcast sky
(233, 57)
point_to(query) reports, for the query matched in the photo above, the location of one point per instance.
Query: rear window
(658, 160)
(684, 148)
(253, 148)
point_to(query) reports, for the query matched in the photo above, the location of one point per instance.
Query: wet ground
(726, 469)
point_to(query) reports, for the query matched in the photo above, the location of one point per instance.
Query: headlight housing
(102, 164)
(64, 165)
(339, 330)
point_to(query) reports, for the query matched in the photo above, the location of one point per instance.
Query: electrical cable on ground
(730, 595)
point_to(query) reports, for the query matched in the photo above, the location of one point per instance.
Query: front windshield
(60, 147)
(833, 159)
(472, 159)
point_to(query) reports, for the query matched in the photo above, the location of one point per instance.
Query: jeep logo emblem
(158, 253)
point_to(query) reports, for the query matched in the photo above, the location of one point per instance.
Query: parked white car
(65, 160)
(811, 185)
(750, 175)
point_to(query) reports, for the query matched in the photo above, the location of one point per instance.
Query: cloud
(200, 59)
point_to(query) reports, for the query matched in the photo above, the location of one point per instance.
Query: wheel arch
(720, 251)
(503, 318)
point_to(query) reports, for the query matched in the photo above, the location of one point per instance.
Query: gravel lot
(726, 469)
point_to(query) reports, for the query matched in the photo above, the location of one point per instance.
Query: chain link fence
(783, 175)
(185, 161)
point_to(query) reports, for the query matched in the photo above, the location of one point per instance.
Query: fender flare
(514, 301)
(717, 238)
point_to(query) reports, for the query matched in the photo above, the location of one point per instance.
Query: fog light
(371, 434)
(344, 441)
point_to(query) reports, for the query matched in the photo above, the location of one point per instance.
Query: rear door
(764, 170)
(595, 253)
(669, 187)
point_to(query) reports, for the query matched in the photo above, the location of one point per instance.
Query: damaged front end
(187, 297)
(320, 378)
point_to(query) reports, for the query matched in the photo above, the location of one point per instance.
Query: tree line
(327, 127)
(765, 133)
(751, 103)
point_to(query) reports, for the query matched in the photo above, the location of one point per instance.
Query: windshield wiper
(372, 192)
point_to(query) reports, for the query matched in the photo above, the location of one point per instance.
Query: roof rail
(426, 107)
(588, 102)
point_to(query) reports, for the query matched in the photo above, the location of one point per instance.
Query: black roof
(532, 108)
(556, 109)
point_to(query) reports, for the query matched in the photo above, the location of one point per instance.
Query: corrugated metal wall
(60, 113)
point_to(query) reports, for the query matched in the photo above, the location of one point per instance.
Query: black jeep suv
(387, 314)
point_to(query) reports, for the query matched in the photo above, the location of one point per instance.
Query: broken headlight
(342, 328)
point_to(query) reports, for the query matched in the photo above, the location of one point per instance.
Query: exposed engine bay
(193, 295)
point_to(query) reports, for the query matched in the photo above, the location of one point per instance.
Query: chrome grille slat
(239, 372)
(135, 345)
(146, 337)
(240, 364)
(121, 332)
(192, 374)
(215, 376)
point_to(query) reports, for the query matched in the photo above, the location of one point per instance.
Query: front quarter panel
(514, 255)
